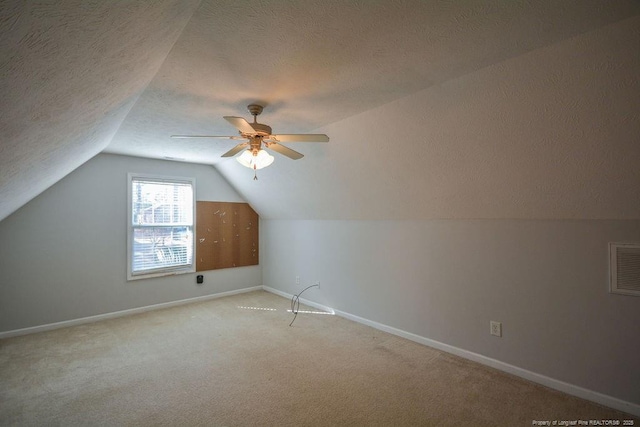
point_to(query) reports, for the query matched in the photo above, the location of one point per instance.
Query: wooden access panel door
(226, 235)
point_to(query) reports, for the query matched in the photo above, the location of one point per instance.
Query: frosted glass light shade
(260, 160)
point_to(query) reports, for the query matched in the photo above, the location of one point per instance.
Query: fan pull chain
(255, 173)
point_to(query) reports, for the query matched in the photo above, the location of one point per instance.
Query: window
(160, 226)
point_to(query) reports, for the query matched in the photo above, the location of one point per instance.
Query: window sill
(132, 277)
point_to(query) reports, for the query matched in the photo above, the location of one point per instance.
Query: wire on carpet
(295, 303)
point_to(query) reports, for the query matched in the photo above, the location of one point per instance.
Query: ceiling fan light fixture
(254, 135)
(255, 159)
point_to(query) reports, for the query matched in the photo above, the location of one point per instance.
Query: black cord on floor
(295, 303)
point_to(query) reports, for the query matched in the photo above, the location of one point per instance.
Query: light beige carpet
(235, 361)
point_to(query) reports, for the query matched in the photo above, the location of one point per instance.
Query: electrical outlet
(495, 328)
(297, 280)
(318, 284)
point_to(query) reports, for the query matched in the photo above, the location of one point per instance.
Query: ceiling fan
(254, 135)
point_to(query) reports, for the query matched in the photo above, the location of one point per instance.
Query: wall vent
(624, 265)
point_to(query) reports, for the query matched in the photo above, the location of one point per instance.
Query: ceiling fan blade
(205, 136)
(235, 150)
(284, 151)
(240, 123)
(307, 137)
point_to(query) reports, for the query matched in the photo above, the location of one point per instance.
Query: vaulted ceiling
(435, 109)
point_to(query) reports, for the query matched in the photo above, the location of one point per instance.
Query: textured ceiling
(70, 71)
(435, 109)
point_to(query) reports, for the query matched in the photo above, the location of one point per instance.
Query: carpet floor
(235, 361)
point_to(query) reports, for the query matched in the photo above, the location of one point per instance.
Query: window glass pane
(158, 202)
(161, 247)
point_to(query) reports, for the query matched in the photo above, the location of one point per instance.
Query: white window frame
(167, 271)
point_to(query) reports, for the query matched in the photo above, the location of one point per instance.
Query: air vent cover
(624, 265)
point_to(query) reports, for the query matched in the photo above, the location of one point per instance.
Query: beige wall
(546, 281)
(63, 255)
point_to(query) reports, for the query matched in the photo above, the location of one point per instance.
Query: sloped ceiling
(70, 71)
(524, 109)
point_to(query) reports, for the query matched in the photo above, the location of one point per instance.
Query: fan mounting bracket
(255, 109)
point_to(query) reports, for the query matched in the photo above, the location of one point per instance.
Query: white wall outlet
(297, 280)
(496, 328)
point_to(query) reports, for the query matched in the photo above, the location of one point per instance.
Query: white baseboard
(302, 300)
(91, 319)
(574, 390)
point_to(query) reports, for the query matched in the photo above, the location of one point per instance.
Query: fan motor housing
(261, 129)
